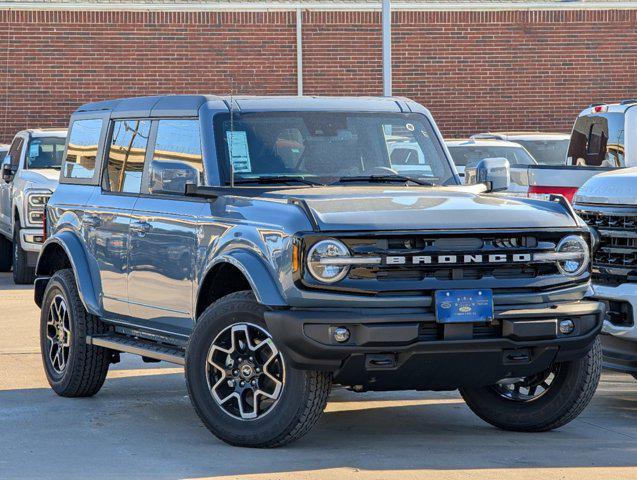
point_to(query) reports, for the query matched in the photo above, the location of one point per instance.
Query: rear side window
(126, 156)
(82, 148)
(598, 141)
(177, 159)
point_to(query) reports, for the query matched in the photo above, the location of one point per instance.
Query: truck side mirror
(7, 172)
(493, 172)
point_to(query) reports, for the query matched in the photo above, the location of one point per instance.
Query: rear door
(164, 229)
(107, 216)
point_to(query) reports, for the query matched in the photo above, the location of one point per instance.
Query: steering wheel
(379, 171)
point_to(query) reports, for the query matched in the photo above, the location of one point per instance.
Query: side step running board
(145, 348)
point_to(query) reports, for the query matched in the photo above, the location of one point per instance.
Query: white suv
(30, 173)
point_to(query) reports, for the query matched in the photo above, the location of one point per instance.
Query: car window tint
(597, 141)
(177, 159)
(82, 148)
(15, 150)
(126, 156)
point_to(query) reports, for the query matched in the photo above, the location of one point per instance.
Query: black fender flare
(88, 285)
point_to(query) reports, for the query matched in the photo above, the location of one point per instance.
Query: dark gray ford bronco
(276, 246)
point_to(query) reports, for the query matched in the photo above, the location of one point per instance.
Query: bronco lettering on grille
(457, 259)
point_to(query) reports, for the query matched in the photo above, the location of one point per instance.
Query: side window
(82, 149)
(14, 152)
(177, 159)
(126, 156)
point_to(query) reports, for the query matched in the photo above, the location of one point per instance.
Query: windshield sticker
(34, 149)
(239, 154)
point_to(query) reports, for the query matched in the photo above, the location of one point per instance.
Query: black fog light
(567, 326)
(341, 334)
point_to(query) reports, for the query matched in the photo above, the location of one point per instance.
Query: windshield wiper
(384, 179)
(278, 179)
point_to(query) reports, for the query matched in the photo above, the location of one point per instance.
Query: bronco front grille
(616, 257)
(451, 248)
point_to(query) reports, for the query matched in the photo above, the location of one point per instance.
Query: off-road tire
(570, 393)
(6, 254)
(302, 400)
(22, 273)
(87, 365)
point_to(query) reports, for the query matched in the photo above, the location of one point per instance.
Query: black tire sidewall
(59, 284)
(570, 388)
(239, 432)
(22, 273)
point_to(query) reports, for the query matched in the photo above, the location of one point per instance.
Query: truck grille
(616, 258)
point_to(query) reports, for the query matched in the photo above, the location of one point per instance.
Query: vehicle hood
(618, 187)
(424, 208)
(41, 178)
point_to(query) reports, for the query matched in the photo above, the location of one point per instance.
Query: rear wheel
(73, 367)
(6, 254)
(239, 382)
(22, 273)
(540, 402)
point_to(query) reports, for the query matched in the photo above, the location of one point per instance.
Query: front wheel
(541, 402)
(239, 382)
(22, 273)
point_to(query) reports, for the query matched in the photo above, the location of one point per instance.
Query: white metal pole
(299, 51)
(387, 48)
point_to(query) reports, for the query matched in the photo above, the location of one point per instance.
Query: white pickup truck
(30, 173)
(608, 203)
(604, 137)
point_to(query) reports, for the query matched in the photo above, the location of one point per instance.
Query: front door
(164, 230)
(6, 188)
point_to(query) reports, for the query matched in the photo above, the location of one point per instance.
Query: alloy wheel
(58, 334)
(245, 371)
(529, 388)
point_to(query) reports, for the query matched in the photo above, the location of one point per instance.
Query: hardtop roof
(189, 105)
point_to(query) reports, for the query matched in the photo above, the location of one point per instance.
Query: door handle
(141, 228)
(91, 220)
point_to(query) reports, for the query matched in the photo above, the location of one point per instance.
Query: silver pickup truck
(30, 172)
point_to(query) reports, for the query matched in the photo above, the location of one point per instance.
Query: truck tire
(73, 367)
(6, 254)
(239, 382)
(22, 273)
(542, 402)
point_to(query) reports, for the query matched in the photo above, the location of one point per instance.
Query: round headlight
(326, 262)
(576, 255)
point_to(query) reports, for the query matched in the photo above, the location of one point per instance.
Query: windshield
(546, 152)
(470, 154)
(327, 146)
(45, 152)
(597, 141)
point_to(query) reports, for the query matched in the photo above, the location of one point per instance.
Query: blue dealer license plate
(464, 306)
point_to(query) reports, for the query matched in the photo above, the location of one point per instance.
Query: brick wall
(474, 70)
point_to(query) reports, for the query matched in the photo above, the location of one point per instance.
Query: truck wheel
(73, 368)
(541, 402)
(239, 382)
(6, 255)
(22, 273)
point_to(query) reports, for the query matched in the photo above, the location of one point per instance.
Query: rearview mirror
(493, 172)
(7, 172)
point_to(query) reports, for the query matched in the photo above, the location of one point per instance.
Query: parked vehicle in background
(30, 173)
(545, 148)
(271, 246)
(608, 203)
(470, 151)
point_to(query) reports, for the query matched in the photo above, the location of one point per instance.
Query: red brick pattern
(474, 70)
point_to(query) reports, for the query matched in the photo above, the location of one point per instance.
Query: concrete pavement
(141, 426)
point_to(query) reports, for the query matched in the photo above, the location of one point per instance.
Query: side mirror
(494, 172)
(7, 172)
(172, 177)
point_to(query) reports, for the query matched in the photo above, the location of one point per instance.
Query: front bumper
(400, 349)
(619, 341)
(31, 239)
